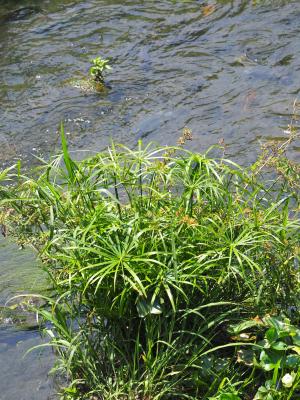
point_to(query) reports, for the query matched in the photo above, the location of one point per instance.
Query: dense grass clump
(174, 275)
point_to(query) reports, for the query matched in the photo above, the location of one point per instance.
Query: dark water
(230, 70)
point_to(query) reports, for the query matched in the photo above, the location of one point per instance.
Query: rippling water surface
(225, 69)
(233, 73)
(21, 378)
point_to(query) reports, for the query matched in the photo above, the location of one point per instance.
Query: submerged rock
(88, 85)
(18, 316)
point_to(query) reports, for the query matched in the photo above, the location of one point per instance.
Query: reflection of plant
(277, 355)
(98, 67)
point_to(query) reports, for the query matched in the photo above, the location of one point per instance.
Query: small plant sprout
(97, 69)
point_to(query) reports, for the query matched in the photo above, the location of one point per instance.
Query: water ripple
(225, 74)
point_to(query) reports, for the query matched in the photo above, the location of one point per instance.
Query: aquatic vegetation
(98, 67)
(167, 267)
(95, 82)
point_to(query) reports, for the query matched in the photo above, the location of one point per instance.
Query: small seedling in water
(97, 69)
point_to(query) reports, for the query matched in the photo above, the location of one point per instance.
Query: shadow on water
(227, 70)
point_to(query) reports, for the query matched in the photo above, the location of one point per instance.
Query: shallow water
(230, 70)
(21, 377)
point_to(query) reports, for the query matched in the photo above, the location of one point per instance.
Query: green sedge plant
(153, 254)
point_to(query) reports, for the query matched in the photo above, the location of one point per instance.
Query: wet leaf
(292, 361)
(246, 357)
(271, 335)
(270, 360)
(296, 349)
(280, 346)
(236, 329)
(296, 338)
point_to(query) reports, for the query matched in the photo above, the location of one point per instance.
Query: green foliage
(154, 254)
(226, 391)
(277, 354)
(98, 67)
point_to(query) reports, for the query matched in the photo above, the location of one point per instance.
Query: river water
(225, 69)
